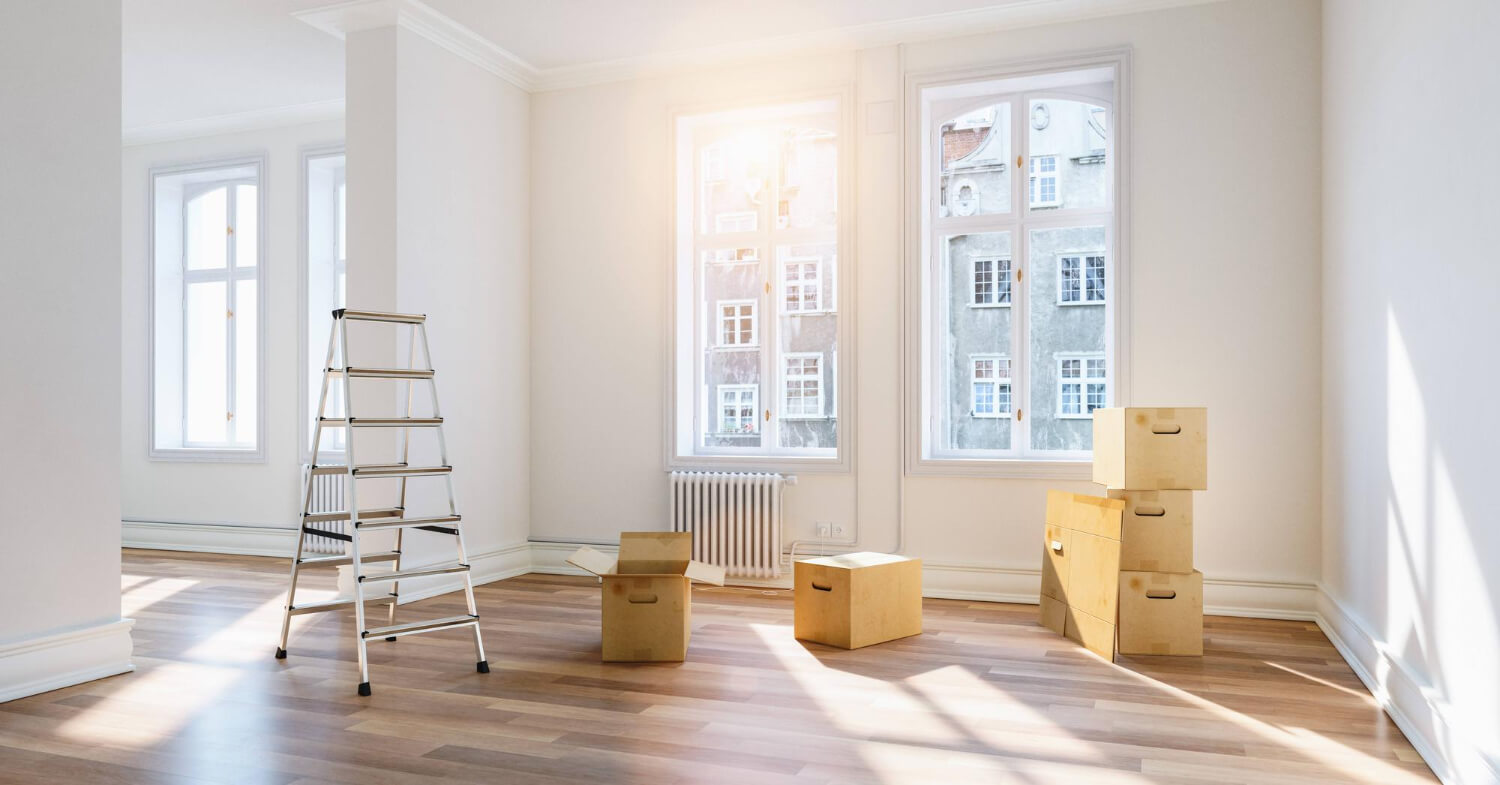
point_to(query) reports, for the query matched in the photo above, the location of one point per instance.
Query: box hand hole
(642, 598)
(820, 587)
(1150, 511)
(1166, 429)
(1161, 594)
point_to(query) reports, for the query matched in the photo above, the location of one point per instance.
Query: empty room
(959, 392)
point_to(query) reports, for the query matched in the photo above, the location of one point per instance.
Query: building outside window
(1083, 386)
(991, 386)
(737, 323)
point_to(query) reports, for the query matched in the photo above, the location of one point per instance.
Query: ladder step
(403, 523)
(383, 470)
(343, 515)
(333, 605)
(411, 628)
(384, 373)
(380, 422)
(364, 558)
(380, 316)
(441, 569)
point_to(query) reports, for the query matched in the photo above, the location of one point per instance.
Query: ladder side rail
(463, 553)
(411, 353)
(352, 497)
(307, 484)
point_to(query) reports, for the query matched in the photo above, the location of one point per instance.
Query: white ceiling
(562, 33)
(191, 59)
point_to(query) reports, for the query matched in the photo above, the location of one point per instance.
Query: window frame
(719, 319)
(1034, 179)
(995, 282)
(817, 284)
(1083, 258)
(182, 451)
(922, 90)
(305, 379)
(754, 391)
(680, 446)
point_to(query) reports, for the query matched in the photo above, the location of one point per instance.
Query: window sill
(1071, 303)
(1004, 468)
(205, 455)
(780, 464)
(749, 347)
(1000, 416)
(805, 418)
(1075, 416)
(822, 312)
(989, 305)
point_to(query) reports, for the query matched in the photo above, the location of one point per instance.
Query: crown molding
(340, 19)
(343, 18)
(254, 120)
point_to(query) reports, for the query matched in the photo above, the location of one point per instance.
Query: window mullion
(231, 302)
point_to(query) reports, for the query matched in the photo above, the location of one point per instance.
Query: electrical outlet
(838, 530)
(824, 529)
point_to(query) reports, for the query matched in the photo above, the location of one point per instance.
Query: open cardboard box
(646, 611)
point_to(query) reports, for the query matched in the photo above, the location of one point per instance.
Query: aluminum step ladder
(381, 518)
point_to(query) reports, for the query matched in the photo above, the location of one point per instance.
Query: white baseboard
(1408, 697)
(984, 583)
(63, 659)
(495, 565)
(237, 539)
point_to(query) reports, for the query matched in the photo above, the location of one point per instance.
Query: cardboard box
(1081, 568)
(857, 599)
(646, 609)
(1156, 534)
(1151, 449)
(1161, 613)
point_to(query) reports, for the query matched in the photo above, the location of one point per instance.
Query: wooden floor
(985, 696)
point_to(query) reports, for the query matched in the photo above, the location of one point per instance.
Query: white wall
(60, 296)
(249, 494)
(1411, 552)
(1225, 287)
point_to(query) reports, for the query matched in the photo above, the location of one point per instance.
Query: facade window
(991, 282)
(991, 386)
(325, 283)
(737, 323)
(1083, 386)
(206, 305)
(734, 222)
(737, 409)
(1003, 386)
(1044, 180)
(757, 239)
(801, 285)
(1080, 279)
(802, 381)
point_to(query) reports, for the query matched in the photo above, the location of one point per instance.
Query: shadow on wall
(1440, 550)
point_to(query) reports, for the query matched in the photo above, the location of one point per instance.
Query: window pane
(809, 177)
(976, 154)
(808, 344)
(968, 332)
(1068, 142)
(205, 368)
(206, 221)
(246, 227)
(731, 196)
(246, 387)
(1061, 337)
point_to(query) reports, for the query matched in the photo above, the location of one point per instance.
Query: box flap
(654, 553)
(595, 562)
(856, 560)
(704, 573)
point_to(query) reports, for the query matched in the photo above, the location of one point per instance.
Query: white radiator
(327, 496)
(735, 519)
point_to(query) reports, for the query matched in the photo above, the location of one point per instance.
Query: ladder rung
(365, 558)
(402, 523)
(385, 373)
(333, 605)
(398, 470)
(380, 422)
(442, 569)
(380, 316)
(343, 515)
(411, 628)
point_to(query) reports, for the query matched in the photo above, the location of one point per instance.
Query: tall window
(757, 271)
(325, 282)
(206, 305)
(1018, 209)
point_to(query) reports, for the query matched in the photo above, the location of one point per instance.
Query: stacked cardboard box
(1117, 575)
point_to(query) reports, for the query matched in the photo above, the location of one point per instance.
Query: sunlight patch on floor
(146, 592)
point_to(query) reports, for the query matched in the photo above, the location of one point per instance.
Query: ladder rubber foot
(280, 653)
(484, 666)
(364, 689)
(392, 638)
